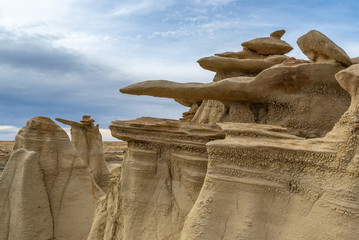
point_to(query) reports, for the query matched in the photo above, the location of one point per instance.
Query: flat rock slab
(282, 79)
(129, 130)
(217, 64)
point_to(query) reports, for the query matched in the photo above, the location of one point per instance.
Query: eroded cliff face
(161, 178)
(287, 167)
(47, 190)
(266, 184)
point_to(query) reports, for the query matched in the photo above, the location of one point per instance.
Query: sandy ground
(114, 152)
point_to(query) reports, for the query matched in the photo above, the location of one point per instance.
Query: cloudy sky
(68, 58)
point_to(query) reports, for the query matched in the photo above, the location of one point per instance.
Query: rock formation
(47, 190)
(269, 45)
(268, 150)
(257, 55)
(87, 140)
(160, 181)
(267, 184)
(287, 167)
(319, 48)
(294, 94)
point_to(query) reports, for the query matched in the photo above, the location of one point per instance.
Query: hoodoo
(268, 150)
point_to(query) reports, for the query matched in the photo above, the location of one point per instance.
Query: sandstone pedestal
(87, 140)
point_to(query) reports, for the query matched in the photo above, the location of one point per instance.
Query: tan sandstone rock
(288, 167)
(25, 208)
(87, 140)
(257, 55)
(349, 79)
(160, 180)
(269, 45)
(281, 95)
(319, 48)
(267, 184)
(48, 185)
(244, 54)
(217, 64)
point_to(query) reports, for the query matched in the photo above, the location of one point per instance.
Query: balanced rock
(48, 185)
(269, 45)
(319, 48)
(257, 55)
(87, 140)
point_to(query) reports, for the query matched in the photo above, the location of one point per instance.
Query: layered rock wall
(161, 178)
(266, 184)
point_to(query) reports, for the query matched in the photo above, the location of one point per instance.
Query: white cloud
(213, 2)
(8, 128)
(144, 6)
(106, 135)
(128, 9)
(24, 12)
(8, 132)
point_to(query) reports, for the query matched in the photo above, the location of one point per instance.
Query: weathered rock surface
(319, 48)
(349, 80)
(217, 64)
(244, 54)
(257, 55)
(48, 190)
(266, 184)
(87, 140)
(269, 45)
(25, 208)
(271, 177)
(296, 96)
(160, 181)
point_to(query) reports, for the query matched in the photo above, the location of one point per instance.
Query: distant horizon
(68, 58)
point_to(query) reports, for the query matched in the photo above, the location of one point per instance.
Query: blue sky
(68, 58)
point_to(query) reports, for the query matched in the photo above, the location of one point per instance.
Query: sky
(68, 58)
